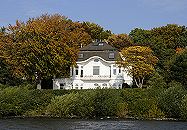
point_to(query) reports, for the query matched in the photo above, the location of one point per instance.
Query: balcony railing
(96, 77)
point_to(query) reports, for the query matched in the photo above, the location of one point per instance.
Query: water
(75, 124)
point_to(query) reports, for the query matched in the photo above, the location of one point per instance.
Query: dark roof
(101, 49)
(98, 46)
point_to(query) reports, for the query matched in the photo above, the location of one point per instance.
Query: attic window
(111, 55)
(96, 60)
(95, 43)
(81, 55)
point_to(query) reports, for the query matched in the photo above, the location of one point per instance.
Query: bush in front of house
(94, 103)
(183, 108)
(146, 109)
(106, 101)
(79, 105)
(170, 100)
(13, 101)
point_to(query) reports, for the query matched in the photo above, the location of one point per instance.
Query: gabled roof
(98, 46)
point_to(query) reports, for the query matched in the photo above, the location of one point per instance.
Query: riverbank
(141, 104)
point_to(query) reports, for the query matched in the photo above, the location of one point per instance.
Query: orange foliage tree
(44, 46)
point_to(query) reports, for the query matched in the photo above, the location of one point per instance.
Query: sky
(119, 16)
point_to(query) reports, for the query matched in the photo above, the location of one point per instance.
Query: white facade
(95, 68)
(93, 73)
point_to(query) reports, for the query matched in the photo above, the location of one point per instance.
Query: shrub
(105, 103)
(131, 95)
(183, 107)
(12, 101)
(146, 108)
(3, 86)
(37, 101)
(122, 110)
(62, 106)
(170, 100)
(72, 105)
(156, 81)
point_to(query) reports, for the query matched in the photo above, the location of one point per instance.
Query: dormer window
(96, 60)
(80, 55)
(111, 55)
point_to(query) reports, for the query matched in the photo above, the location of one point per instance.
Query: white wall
(105, 79)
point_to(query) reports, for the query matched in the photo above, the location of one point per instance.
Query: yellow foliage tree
(139, 62)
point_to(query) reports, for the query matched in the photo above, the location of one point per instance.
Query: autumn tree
(139, 62)
(44, 46)
(119, 41)
(96, 31)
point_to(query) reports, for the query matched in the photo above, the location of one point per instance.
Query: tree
(43, 47)
(96, 31)
(140, 36)
(164, 41)
(178, 68)
(139, 62)
(119, 41)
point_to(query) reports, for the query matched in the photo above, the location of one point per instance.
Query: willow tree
(44, 46)
(139, 62)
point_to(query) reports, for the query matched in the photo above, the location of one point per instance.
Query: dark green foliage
(146, 108)
(105, 102)
(78, 105)
(12, 101)
(138, 103)
(170, 101)
(6, 77)
(183, 108)
(96, 31)
(156, 81)
(178, 69)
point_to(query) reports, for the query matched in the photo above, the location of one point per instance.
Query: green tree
(164, 41)
(139, 62)
(44, 46)
(178, 68)
(119, 41)
(140, 36)
(96, 31)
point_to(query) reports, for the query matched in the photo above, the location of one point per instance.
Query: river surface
(77, 124)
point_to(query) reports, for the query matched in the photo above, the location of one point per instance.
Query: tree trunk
(139, 83)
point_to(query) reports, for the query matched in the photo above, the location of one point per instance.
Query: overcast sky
(119, 16)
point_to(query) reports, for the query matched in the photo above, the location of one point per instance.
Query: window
(96, 60)
(95, 43)
(114, 71)
(96, 70)
(81, 71)
(120, 70)
(111, 55)
(96, 84)
(80, 55)
(77, 70)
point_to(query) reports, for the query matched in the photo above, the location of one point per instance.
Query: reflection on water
(75, 124)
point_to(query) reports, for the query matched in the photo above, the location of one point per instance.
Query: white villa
(95, 68)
